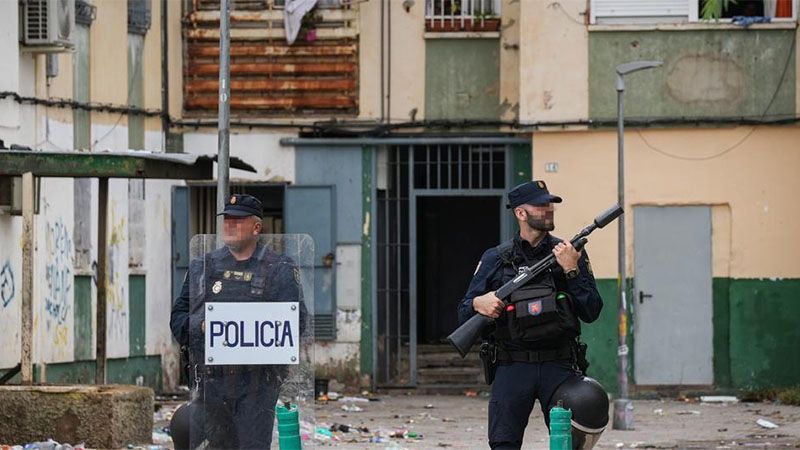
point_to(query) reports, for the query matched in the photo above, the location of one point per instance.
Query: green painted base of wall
(755, 331)
(601, 336)
(140, 370)
(764, 333)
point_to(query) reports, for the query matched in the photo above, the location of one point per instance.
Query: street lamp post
(623, 408)
(224, 134)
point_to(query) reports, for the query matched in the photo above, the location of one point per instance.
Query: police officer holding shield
(533, 348)
(233, 406)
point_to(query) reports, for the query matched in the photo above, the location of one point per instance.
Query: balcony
(462, 15)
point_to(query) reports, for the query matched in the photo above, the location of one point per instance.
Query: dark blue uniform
(239, 401)
(518, 384)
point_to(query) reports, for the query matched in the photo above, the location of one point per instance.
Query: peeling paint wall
(712, 73)
(263, 151)
(554, 73)
(57, 275)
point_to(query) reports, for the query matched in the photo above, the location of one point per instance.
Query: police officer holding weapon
(233, 406)
(526, 300)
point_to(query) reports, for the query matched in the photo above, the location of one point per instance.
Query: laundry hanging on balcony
(293, 17)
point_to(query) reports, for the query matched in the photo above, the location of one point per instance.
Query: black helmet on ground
(588, 402)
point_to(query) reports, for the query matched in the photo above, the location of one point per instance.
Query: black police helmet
(589, 404)
(179, 425)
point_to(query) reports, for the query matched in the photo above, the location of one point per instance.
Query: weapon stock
(464, 337)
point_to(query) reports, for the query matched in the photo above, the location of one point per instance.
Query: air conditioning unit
(11, 195)
(48, 25)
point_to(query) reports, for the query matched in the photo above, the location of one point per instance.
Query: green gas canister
(560, 428)
(288, 427)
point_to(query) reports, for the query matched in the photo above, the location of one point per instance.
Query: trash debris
(619, 445)
(161, 438)
(340, 427)
(333, 396)
(428, 406)
(687, 411)
(766, 424)
(405, 434)
(48, 445)
(719, 399)
(351, 408)
(658, 412)
(353, 399)
(323, 433)
(470, 393)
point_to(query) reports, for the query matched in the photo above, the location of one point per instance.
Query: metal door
(672, 299)
(180, 237)
(311, 210)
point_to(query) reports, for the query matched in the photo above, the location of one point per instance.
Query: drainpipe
(389, 62)
(383, 98)
(165, 120)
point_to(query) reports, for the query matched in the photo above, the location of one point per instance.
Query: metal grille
(393, 272)
(446, 169)
(462, 15)
(459, 167)
(36, 20)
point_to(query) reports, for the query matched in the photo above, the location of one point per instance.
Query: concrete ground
(459, 422)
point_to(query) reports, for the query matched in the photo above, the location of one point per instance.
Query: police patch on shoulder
(217, 287)
(296, 273)
(589, 267)
(477, 268)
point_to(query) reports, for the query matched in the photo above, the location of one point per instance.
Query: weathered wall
(751, 190)
(553, 66)
(263, 151)
(65, 300)
(406, 87)
(341, 167)
(705, 73)
(462, 79)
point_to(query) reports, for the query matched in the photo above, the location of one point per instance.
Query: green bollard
(288, 427)
(560, 428)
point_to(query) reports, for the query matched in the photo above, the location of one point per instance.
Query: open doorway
(453, 233)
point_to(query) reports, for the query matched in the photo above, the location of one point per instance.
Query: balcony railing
(462, 15)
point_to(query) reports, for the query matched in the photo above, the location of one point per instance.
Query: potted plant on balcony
(484, 20)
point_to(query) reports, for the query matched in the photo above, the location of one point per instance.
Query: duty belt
(534, 356)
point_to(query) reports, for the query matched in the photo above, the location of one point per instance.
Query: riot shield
(250, 340)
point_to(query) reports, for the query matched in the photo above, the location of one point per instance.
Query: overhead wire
(741, 140)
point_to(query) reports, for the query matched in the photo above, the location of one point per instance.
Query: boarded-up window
(318, 74)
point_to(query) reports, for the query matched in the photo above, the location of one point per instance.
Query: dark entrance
(453, 233)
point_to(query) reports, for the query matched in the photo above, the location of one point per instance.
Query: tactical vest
(537, 312)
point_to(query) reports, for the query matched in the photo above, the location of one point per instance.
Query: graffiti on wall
(115, 286)
(7, 287)
(58, 272)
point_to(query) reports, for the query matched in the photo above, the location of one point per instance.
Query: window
(462, 15)
(683, 11)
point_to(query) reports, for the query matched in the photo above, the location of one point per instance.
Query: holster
(580, 357)
(488, 355)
